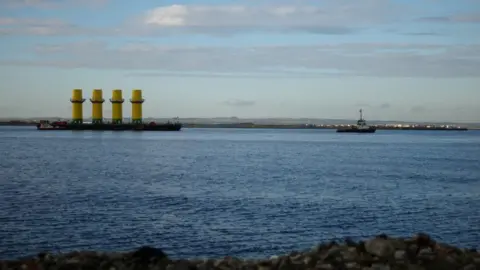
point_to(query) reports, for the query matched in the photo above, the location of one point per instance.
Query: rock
(400, 255)
(366, 260)
(349, 242)
(424, 240)
(398, 244)
(350, 254)
(333, 255)
(380, 247)
(264, 265)
(206, 264)
(310, 260)
(324, 266)
(470, 267)
(352, 266)
(285, 264)
(379, 253)
(426, 254)
(382, 236)
(378, 266)
(297, 258)
(182, 265)
(361, 247)
(146, 253)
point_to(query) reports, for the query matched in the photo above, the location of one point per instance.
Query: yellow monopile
(137, 102)
(77, 106)
(97, 106)
(117, 109)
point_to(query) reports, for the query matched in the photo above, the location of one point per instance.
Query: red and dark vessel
(152, 126)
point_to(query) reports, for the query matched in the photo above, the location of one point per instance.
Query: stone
(380, 247)
(350, 254)
(379, 253)
(470, 267)
(264, 265)
(324, 266)
(147, 252)
(399, 244)
(349, 242)
(332, 255)
(400, 255)
(352, 266)
(379, 266)
(424, 240)
(285, 264)
(426, 254)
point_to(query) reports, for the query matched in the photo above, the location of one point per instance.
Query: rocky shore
(379, 253)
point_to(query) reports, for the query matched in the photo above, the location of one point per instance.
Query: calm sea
(244, 192)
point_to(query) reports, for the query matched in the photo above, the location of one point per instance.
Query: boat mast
(361, 114)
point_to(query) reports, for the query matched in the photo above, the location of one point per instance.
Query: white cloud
(457, 18)
(51, 4)
(331, 16)
(367, 59)
(47, 27)
(325, 17)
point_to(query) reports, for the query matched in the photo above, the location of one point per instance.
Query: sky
(413, 60)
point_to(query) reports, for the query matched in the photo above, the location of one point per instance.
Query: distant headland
(276, 123)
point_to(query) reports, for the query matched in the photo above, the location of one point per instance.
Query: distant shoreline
(281, 126)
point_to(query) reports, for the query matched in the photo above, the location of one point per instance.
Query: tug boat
(360, 127)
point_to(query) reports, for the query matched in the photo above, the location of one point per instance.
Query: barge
(152, 126)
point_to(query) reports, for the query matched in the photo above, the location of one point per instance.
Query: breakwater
(382, 252)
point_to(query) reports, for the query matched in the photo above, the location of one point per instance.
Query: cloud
(42, 27)
(385, 106)
(459, 18)
(51, 4)
(381, 106)
(331, 17)
(239, 103)
(328, 17)
(352, 59)
(422, 34)
(418, 109)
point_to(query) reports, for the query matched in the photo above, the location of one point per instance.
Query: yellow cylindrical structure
(117, 109)
(137, 102)
(77, 106)
(97, 106)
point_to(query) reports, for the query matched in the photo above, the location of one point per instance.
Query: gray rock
(352, 266)
(333, 254)
(400, 255)
(382, 248)
(324, 266)
(350, 255)
(426, 254)
(470, 267)
(379, 266)
(285, 264)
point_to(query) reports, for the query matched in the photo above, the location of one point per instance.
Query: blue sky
(399, 60)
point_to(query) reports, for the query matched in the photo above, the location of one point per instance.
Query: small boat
(360, 127)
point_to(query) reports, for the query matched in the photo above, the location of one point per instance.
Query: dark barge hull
(115, 127)
(356, 130)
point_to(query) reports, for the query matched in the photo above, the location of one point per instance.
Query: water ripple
(240, 192)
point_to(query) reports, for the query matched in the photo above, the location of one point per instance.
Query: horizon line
(253, 118)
